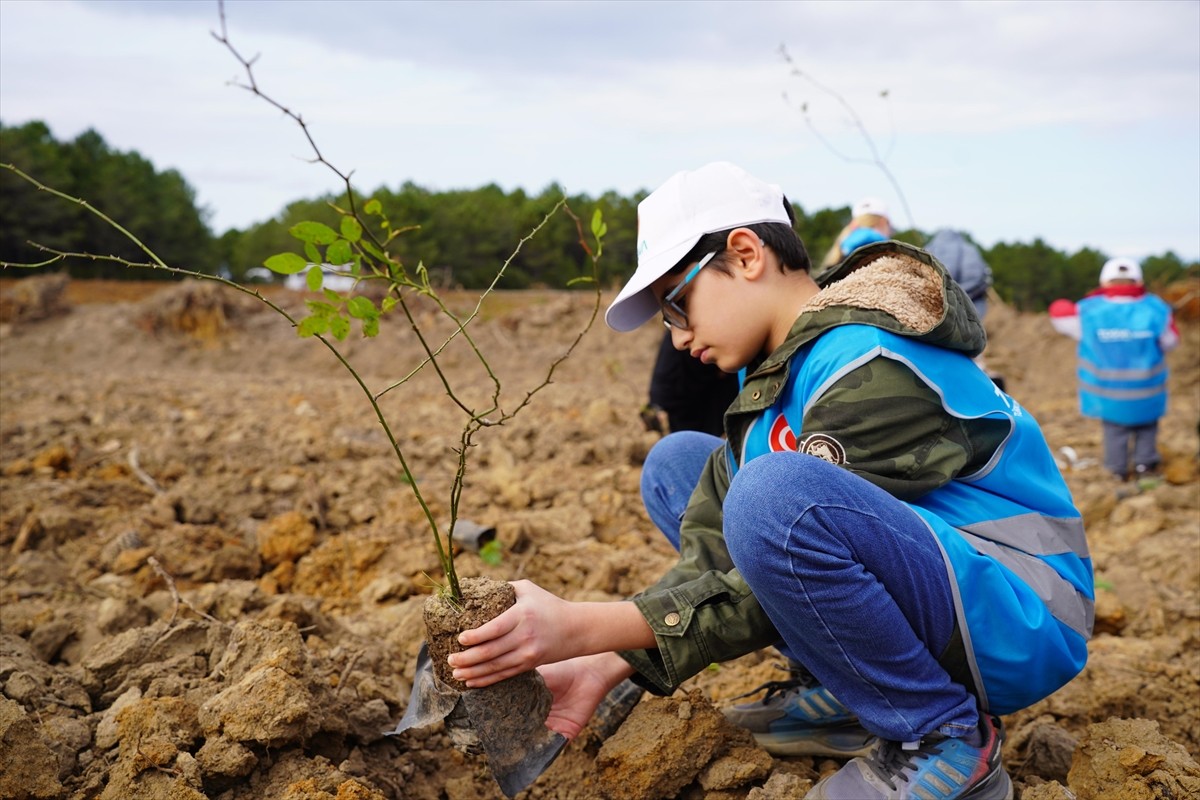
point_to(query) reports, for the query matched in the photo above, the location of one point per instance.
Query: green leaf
(492, 553)
(370, 326)
(339, 326)
(285, 263)
(388, 303)
(311, 326)
(324, 309)
(362, 308)
(334, 297)
(338, 253)
(351, 230)
(313, 232)
(598, 226)
(373, 206)
(314, 279)
(314, 255)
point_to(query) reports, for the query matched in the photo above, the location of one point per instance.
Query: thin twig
(162, 573)
(877, 160)
(141, 474)
(27, 527)
(346, 672)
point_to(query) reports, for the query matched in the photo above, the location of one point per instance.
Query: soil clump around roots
(213, 578)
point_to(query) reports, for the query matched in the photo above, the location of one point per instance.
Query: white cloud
(1032, 100)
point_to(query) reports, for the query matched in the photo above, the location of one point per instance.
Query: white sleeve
(1068, 326)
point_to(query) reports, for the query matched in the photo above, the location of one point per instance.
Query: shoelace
(891, 759)
(801, 680)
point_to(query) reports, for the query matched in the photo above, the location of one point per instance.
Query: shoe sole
(833, 743)
(997, 786)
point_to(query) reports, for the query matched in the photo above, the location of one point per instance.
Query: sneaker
(935, 768)
(1147, 477)
(798, 717)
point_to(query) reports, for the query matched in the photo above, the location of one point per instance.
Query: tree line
(157, 207)
(461, 236)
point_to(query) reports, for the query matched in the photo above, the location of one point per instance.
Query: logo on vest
(781, 439)
(823, 446)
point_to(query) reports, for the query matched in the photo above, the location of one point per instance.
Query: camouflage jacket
(886, 424)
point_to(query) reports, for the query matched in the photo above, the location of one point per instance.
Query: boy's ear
(749, 253)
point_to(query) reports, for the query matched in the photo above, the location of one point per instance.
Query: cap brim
(636, 305)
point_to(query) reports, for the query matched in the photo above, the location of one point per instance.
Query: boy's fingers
(492, 629)
(488, 679)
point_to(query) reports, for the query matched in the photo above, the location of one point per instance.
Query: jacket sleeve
(1064, 316)
(1168, 340)
(701, 611)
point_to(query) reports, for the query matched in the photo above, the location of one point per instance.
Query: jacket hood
(894, 286)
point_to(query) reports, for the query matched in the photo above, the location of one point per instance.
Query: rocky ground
(212, 573)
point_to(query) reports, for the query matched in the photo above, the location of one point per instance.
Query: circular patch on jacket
(823, 446)
(781, 438)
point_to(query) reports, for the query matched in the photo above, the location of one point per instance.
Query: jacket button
(671, 619)
(757, 394)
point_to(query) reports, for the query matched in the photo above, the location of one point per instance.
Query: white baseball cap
(1117, 268)
(672, 218)
(869, 205)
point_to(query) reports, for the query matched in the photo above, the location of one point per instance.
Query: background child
(685, 394)
(879, 511)
(965, 263)
(868, 214)
(1124, 334)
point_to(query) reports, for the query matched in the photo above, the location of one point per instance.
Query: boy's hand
(536, 630)
(578, 686)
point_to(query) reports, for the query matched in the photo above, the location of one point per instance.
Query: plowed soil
(212, 569)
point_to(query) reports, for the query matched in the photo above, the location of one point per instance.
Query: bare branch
(875, 158)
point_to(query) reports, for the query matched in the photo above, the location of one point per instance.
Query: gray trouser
(1117, 440)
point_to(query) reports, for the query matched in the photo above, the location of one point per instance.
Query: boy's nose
(680, 339)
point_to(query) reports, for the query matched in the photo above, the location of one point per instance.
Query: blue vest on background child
(1010, 532)
(1122, 372)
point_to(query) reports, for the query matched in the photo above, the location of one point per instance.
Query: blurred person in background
(868, 214)
(1124, 334)
(966, 265)
(687, 394)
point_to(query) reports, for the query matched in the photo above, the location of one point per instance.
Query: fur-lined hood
(894, 286)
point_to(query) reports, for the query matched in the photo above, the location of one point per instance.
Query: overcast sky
(1077, 122)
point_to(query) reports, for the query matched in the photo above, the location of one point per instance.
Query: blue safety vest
(1121, 369)
(1012, 539)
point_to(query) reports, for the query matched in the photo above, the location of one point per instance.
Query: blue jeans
(851, 577)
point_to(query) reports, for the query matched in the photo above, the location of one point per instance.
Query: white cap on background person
(1120, 268)
(716, 197)
(869, 205)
